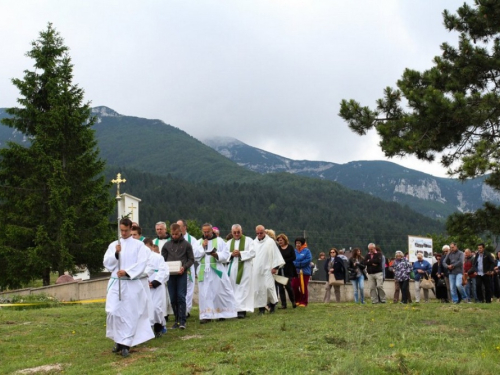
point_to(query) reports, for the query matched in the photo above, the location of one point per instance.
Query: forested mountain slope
(432, 196)
(176, 176)
(330, 214)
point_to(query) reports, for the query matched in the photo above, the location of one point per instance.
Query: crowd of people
(239, 275)
(235, 276)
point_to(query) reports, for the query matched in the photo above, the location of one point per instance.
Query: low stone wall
(96, 289)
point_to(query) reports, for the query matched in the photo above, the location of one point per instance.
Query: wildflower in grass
(73, 332)
(391, 345)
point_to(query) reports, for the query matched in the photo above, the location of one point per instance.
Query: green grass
(320, 339)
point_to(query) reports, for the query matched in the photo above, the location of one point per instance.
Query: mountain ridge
(432, 196)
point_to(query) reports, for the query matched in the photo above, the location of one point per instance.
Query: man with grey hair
(267, 260)
(373, 261)
(444, 273)
(240, 270)
(454, 262)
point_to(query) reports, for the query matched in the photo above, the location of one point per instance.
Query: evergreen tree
(452, 108)
(54, 201)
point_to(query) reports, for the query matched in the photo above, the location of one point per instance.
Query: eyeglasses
(236, 232)
(260, 232)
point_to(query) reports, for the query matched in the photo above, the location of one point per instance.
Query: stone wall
(96, 289)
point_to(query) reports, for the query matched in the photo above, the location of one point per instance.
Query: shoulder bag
(333, 281)
(426, 282)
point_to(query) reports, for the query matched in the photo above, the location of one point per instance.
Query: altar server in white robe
(240, 270)
(158, 275)
(160, 240)
(267, 261)
(127, 316)
(191, 279)
(215, 293)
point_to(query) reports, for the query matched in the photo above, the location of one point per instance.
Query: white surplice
(243, 292)
(157, 270)
(215, 293)
(267, 257)
(191, 277)
(127, 321)
(160, 242)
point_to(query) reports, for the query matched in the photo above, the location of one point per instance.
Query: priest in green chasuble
(240, 270)
(215, 293)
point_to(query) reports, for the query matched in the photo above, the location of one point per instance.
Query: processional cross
(118, 181)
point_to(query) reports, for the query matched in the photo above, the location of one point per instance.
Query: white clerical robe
(127, 321)
(157, 270)
(267, 257)
(191, 278)
(160, 242)
(243, 292)
(215, 293)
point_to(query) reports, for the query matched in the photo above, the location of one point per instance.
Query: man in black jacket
(373, 261)
(483, 266)
(178, 249)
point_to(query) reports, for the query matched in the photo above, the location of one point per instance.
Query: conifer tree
(453, 108)
(54, 201)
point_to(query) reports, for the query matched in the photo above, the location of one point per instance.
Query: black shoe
(125, 353)
(241, 315)
(205, 321)
(262, 310)
(117, 348)
(188, 315)
(282, 307)
(272, 308)
(176, 325)
(294, 305)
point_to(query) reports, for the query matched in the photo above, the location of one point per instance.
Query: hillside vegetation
(329, 214)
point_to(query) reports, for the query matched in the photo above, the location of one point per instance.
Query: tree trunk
(46, 277)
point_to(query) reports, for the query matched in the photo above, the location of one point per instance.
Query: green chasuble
(241, 247)
(213, 263)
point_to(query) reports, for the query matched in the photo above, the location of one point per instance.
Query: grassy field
(320, 339)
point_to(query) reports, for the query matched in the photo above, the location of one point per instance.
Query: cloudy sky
(268, 72)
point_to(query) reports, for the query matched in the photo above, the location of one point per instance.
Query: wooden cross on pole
(118, 181)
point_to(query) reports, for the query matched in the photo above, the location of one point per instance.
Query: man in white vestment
(191, 273)
(240, 270)
(267, 261)
(158, 274)
(162, 238)
(216, 298)
(127, 319)
(136, 233)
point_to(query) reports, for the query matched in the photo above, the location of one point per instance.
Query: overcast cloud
(270, 73)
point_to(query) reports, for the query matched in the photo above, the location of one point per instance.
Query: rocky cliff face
(433, 196)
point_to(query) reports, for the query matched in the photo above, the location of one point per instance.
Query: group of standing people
(234, 278)
(466, 277)
(457, 276)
